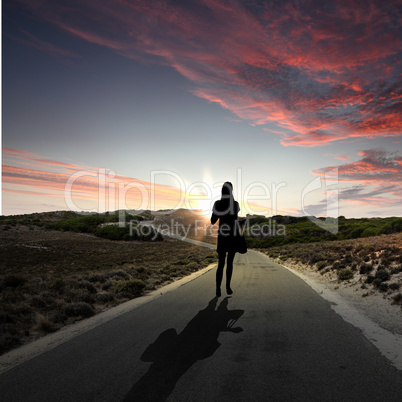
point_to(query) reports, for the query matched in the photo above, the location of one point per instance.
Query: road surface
(273, 339)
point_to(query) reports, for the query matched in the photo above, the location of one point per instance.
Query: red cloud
(314, 71)
(376, 167)
(379, 177)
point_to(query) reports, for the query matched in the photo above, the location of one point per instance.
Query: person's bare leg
(229, 271)
(219, 273)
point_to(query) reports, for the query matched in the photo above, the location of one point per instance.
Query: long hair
(227, 190)
(227, 198)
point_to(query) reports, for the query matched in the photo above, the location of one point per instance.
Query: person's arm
(214, 216)
(214, 219)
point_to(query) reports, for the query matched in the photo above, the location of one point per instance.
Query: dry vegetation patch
(50, 278)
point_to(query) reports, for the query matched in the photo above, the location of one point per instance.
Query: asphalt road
(273, 339)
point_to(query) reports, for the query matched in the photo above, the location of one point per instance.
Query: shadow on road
(173, 354)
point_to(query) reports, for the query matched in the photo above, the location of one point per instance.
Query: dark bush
(370, 232)
(83, 224)
(370, 279)
(120, 274)
(397, 299)
(38, 301)
(383, 286)
(365, 268)
(7, 342)
(82, 295)
(132, 287)
(6, 318)
(107, 285)
(97, 278)
(115, 232)
(85, 285)
(383, 275)
(12, 281)
(80, 309)
(394, 286)
(104, 298)
(56, 285)
(377, 282)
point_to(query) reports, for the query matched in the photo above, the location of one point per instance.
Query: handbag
(241, 246)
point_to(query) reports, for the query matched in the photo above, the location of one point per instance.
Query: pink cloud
(340, 157)
(316, 72)
(13, 156)
(375, 167)
(377, 179)
(100, 185)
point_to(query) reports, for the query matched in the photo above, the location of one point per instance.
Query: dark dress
(226, 211)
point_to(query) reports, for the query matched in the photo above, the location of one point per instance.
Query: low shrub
(104, 298)
(192, 266)
(44, 324)
(82, 284)
(377, 282)
(394, 286)
(37, 301)
(383, 287)
(396, 270)
(345, 274)
(382, 274)
(12, 281)
(8, 341)
(115, 232)
(365, 268)
(120, 275)
(82, 295)
(97, 278)
(370, 279)
(80, 309)
(57, 285)
(397, 299)
(132, 287)
(107, 285)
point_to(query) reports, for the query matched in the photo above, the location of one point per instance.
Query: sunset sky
(149, 104)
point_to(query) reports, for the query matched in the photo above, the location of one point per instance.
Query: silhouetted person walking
(226, 210)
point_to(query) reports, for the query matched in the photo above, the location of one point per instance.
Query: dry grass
(44, 324)
(49, 278)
